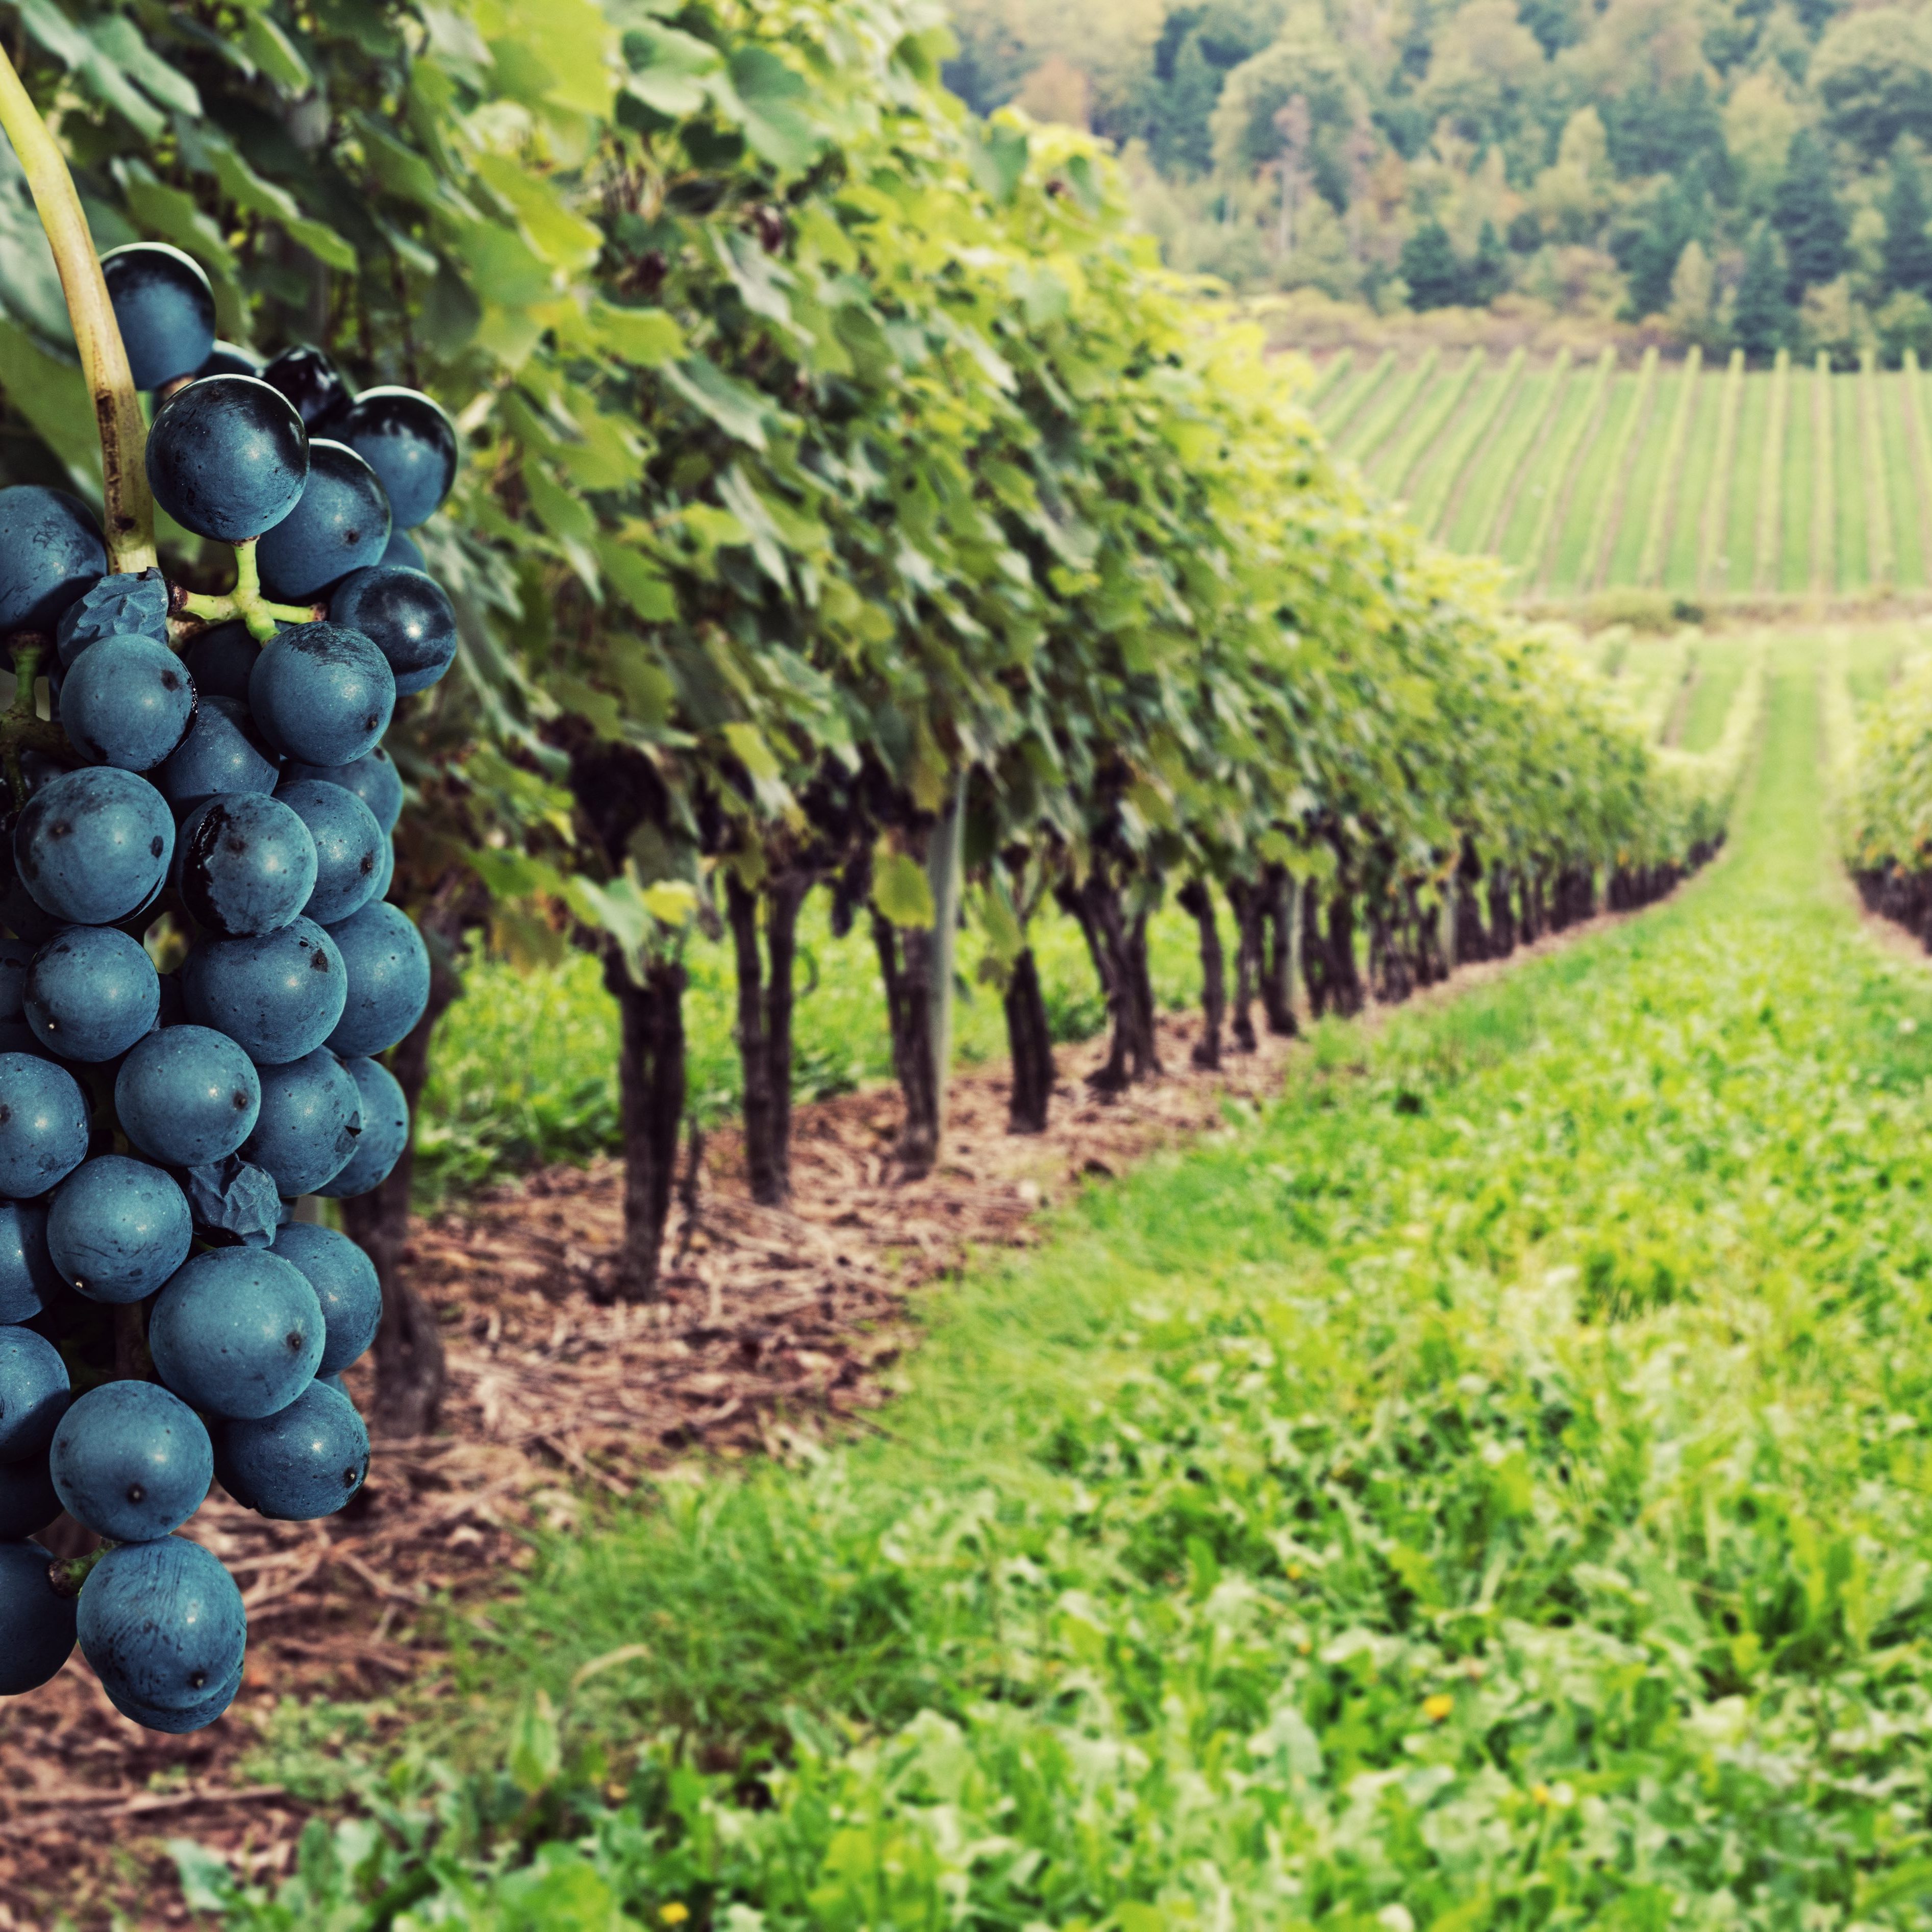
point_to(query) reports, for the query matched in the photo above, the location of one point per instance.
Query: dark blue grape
(407, 616)
(348, 845)
(187, 1096)
(131, 1461)
(50, 554)
(165, 309)
(162, 1623)
(43, 1126)
(410, 443)
(312, 382)
(227, 457)
(246, 865)
(197, 1717)
(92, 846)
(36, 1623)
(385, 1131)
(229, 359)
(222, 755)
(388, 968)
(28, 1280)
(303, 1463)
(372, 778)
(125, 604)
(311, 1112)
(341, 524)
(29, 1502)
(238, 1332)
(233, 1200)
(219, 660)
(404, 553)
(344, 1280)
(118, 1229)
(280, 995)
(33, 1393)
(127, 702)
(92, 992)
(322, 694)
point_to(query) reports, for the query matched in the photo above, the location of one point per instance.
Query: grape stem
(245, 602)
(128, 508)
(22, 727)
(67, 1573)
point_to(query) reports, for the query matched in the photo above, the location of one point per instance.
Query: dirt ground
(772, 1322)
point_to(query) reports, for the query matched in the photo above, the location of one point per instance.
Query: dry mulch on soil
(773, 1321)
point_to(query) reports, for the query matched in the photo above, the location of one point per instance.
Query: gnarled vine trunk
(1279, 892)
(1244, 900)
(1118, 944)
(906, 965)
(1030, 1042)
(765, 1004)
(651, 1096)
(1195, 899)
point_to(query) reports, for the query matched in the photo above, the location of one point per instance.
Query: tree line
(1735, 174)
(851, 502)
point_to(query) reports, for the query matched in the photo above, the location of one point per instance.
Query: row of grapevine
(1706, 482)
(1876, 708)
(851, 503)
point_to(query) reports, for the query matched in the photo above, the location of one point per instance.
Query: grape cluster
(155, 1130)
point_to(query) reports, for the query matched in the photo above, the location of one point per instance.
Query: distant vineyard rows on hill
(1589, 474)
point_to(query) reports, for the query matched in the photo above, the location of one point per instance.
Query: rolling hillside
(1588, 474)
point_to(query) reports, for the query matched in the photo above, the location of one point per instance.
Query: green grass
(522, 1067)
(1644, 494)
(1722, 661)
(1491, 1488)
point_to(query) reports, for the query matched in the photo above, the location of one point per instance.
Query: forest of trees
(1733, 173)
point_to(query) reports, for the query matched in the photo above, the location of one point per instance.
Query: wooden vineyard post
(127, 520)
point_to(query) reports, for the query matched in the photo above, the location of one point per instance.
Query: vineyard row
(1592, 473)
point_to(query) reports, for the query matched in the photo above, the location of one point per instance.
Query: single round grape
(312, 382)
(164, 307)
(196, 1716)
(29, 1500)
(125, 603)
(238, 1332)
(386, 870)
(187, 1096)
(131, 1461)
(322, 694)
(162, 1623)
(388, 969)
(118, 1229)
(311, 1113)
(303, 1463)
(219, 660)
(28, 1280)
(407, 615)
(372, 778)
(341, 524)
(348, 845)
(229, 359)
(16, 956)
(43, 1126)
(404, 553)
(92, 846)
(279, 994)
(410, 443)
(385, 1131)
(37, 1622)
(227, 457)
(127, 702)
(222, 755)
(50, 554)
(246, 865)
(345, 1282)
(92, 992)
(33, 1393)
